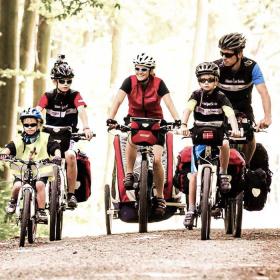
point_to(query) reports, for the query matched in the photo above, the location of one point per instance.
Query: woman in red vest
(144, 92)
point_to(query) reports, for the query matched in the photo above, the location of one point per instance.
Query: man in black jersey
(238, 75)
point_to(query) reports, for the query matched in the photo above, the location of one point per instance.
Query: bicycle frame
(213, 164)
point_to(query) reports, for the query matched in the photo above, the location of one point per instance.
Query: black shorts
(42, 179)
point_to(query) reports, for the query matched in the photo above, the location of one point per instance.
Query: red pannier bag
(83, 192)
(236, 168)
(183, 167)
(144, 135)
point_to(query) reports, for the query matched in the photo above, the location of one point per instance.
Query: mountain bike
(208, 195)
(29, 172)
(233, 211)
(144, 133)
(57, 192)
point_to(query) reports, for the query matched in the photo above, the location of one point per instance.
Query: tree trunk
(27, 40)
(42, 57)
(9, 58)
(116, 45)
(200, 41)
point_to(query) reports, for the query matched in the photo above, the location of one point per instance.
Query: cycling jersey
(145, 102)
(238, 85)
(208, 109)
(61, 109)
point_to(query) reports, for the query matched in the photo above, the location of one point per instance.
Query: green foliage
(62, 9)
(9, 73)
(8, 227)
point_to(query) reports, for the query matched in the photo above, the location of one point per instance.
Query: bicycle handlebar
(9, 158)
(80, 136)
(168, 126)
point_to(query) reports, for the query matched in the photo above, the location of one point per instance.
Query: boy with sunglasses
(210, 107)
(144, 92)
(63, 106)
(238, 76)
(35, 144)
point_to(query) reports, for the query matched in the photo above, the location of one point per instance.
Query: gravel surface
(172, 254)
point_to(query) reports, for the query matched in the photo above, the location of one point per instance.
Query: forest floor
(172, 254)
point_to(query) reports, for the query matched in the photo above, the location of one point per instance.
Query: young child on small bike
(31, 144)
(63, 106)
(210, 107)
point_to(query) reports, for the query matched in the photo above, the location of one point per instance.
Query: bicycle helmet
(207, 68)
(145, 60)
(61, 69)
(232, 41)
(31, 113)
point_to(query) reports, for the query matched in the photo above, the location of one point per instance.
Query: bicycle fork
(213, 188)
(20, 202)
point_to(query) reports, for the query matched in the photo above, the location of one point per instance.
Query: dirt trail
(173, 254)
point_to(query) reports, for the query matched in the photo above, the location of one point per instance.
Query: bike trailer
(257, 180)
(127, 211)
(83, 189)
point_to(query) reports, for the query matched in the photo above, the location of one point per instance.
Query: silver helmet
(145, 60)
(207, 68)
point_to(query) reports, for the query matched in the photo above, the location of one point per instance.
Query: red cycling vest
(145, 103)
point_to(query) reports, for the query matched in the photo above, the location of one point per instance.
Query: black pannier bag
(208, 135)
(83, 192)
(257, 177)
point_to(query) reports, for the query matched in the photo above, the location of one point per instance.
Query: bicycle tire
(53, 208)
(143, 198)
(205, 206)
(25, 216)
(228, 217)
(31, 230)
(237, 214)
(107, 202)
(59, 225)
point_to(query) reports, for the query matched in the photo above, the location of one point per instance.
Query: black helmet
(31, 113)
(61, 69)
(232, 41)
(207, 68)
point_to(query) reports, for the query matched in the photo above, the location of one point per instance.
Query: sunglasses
(30, 124)
(68, 82)
(227, 55)
(141, 69)
(210, 80)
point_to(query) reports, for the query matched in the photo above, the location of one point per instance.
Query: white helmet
(145, 60)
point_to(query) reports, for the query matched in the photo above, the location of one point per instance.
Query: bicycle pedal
(70, 208)
(42, 223)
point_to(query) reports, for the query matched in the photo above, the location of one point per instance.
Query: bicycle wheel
(108, 216)
(205, 205)
(143, 197)
(53, 208)
(228, 216)
(59, 225)
(25, 216)
(237, 214)
(31, 230)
